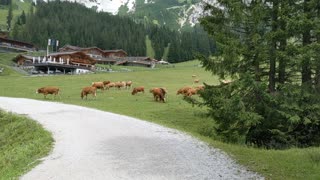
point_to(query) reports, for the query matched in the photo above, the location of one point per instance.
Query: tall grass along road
(92, 144)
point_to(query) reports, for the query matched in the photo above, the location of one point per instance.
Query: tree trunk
(306, 40)
(282, 48)
(273, 45)
(317, 76)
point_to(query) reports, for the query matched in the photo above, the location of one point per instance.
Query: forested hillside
(74, 24)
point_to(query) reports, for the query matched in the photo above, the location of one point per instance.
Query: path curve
(92, 144)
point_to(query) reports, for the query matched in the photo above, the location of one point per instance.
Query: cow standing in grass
(137, 89)
(128, 84)
(159, 94)
(109, 84)
(120, 85)
(98, 85)
(183, 90)
(49, 90)
(89, 90)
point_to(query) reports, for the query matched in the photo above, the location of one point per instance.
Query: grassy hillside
(176, 113)
(6, 63)
(150, 51)
(18, 7)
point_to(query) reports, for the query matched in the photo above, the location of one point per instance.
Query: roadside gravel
(92, 144)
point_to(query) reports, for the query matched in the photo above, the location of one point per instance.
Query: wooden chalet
(101, 56)
(14, 45)
(138, 61)
(111, 57)
(93, 52)
(65, 62)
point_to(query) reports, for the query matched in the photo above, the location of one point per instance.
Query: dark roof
(16, 42)
(115, 50)
(140, 58)
(75, 48)
(64, 53)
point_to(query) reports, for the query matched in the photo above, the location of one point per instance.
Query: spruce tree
(270, 50)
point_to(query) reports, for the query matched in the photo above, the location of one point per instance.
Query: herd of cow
(159, 93)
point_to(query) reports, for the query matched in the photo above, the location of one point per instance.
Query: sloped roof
(15, 41)
(76, 48)
(115, 51)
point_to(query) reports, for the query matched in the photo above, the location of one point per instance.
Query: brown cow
(137, 89)
(49, 90)
(106, 83)
(98, 85)
(191, 92)
(159, 94)
(128, 84)
(109, 85)
(183, 90)
(119, 85)
(196, 81)
(89, 90)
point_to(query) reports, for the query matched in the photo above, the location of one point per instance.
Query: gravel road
(92, 144)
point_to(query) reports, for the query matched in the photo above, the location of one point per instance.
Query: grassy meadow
(175, 113)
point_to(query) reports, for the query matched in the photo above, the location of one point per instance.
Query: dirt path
(92, 144)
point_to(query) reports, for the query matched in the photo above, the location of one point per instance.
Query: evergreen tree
(9, 16)
(264, 46)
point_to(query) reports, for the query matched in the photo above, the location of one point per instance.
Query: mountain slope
(176, 14)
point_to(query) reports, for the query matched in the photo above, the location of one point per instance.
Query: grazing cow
(111, 84)
(196, 81)
(119, 85)
(159, 94)
(137, 89)
(105, 83)
(48, 90)
(89, 90)
(193, 76)
(183, 90)
(191, 92)
(98, 85)
(128, 84)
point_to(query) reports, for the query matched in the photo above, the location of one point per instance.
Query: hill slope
(176, 14)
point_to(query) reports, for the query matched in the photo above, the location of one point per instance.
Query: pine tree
(9, 16)
(264, 46)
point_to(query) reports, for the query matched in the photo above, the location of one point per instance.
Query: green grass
(166, 52)
(22, 143)
(6, 58)
(176, 113)
(150, 50)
